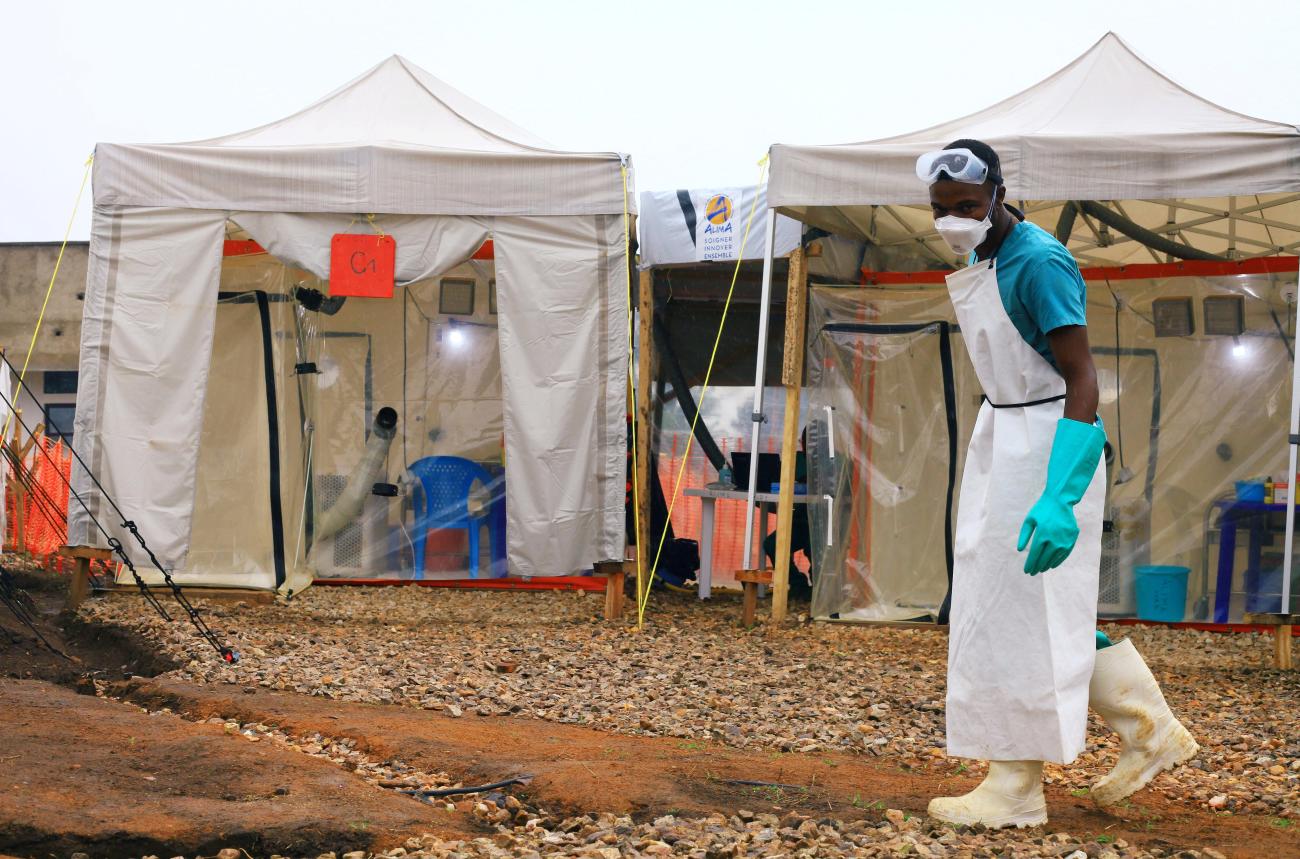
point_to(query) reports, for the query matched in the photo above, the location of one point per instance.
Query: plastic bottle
(724, 476)
(1268, 490)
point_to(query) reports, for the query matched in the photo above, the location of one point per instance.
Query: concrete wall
(25, 271)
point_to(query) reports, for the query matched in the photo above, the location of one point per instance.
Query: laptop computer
(769, 470)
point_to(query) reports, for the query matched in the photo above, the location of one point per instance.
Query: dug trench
(104, 777)
(576, 769)
(117, 776)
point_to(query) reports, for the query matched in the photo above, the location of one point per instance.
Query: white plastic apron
(1020, 648)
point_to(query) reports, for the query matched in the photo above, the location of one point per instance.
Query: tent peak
(1108, 90)
(1106, 126)
(394, 101)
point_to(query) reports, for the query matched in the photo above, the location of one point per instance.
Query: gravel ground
(692, 673)
(524, 830)
(744, 835)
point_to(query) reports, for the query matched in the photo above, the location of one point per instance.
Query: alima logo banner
(717, 240)
(362, 265)
(718, 209)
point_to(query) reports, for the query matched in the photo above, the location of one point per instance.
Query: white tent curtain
(146, 343)
(562, 294)
(6, 421)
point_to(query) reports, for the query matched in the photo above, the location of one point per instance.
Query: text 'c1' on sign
(362, 265)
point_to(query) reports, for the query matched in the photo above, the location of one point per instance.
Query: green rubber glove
(1076, 450)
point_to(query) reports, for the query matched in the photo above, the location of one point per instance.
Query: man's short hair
(985, 154)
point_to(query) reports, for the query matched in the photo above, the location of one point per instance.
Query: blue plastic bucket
(1161, 593)
(1250, 490)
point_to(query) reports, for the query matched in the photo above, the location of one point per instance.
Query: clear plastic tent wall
(893, 399)
(431, 354)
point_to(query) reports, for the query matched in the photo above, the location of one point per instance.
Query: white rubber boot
(1125, 693)
(1011, 795)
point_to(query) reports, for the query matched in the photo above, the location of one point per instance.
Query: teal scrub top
(1040, 284)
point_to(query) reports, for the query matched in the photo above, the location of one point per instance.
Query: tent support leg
(644, 372)
(1293, 441)
(760, 372)
(796, 302)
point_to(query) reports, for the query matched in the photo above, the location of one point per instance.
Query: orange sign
(362, 265)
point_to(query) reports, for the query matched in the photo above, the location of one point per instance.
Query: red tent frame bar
(537, 583)
(245, 247)
(1137, 271)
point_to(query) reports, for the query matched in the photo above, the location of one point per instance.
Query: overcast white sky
(695, 91)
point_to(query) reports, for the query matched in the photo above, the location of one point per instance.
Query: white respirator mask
(964, 235)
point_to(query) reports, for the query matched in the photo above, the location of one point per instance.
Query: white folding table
(708, 498)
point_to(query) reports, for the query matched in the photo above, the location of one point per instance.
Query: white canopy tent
(1107, 127)
(399, 151)
(1121, 162)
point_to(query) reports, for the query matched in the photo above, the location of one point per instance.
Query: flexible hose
(368, 471)
(1142, 235)
(1065, 224)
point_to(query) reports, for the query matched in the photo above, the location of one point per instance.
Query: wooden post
(1282, 624)
(644, 372)
(750, 580)
(796, 302)
(79, 585)
(615, 573)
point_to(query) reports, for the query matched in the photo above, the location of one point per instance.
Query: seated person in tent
(800, 538)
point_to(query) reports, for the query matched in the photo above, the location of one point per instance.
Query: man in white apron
(1024, 657)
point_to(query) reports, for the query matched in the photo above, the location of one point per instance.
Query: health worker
(1025, 660)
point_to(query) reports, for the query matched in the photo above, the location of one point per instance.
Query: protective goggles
(961, 165)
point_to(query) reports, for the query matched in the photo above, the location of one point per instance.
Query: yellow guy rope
(699, 406)
(31, 347)
(636, 471)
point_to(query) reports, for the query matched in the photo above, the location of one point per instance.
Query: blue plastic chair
(443, 502)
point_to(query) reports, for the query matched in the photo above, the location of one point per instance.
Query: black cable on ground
(458, 791)
(204, 630)
(747, 783)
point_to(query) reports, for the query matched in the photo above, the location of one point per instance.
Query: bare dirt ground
(167, 755)
(580, 770)
(85, 773)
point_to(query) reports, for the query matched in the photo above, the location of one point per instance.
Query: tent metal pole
(760, 371)
(1293, 440)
